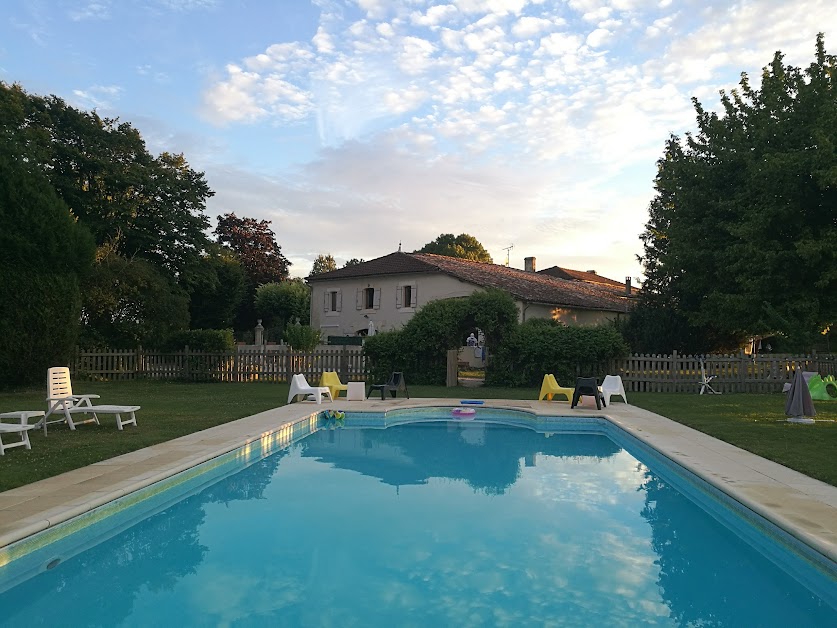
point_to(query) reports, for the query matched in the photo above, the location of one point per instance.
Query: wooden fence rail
(276, 365)
(738, 373)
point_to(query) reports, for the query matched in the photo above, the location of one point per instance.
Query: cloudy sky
(354, 125)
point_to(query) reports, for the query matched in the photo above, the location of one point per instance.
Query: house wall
(387, 315)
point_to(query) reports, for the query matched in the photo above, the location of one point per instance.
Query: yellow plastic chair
(550, 387)
(331, 380)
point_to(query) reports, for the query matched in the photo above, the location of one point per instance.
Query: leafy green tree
(44, 252)
(323, 264)
(130, 302)
(254, 243)
(741, 232)
(353, 262)
(216, 284)
(281, 303)
(463, 246)
(141, 206)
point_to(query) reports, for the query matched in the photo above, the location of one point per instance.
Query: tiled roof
(579, 275)
(526, 286)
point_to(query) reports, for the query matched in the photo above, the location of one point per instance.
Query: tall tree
(323, 264)
(353, 262)
(44, 253)
(216, 285)
(463, 246)
(742, 230)
(140, 205)
(255, 244)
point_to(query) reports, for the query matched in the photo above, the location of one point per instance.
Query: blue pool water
(435, 523)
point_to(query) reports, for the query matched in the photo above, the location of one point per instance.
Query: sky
(358, 126)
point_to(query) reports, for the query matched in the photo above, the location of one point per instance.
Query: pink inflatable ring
(463, 413)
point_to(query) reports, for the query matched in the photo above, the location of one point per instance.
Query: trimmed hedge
(541, 346)
(200, 340)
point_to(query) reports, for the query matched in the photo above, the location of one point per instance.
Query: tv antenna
(507, 249)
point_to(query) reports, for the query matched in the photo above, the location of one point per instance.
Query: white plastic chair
(60, 398)
(300, 386)
(612, 385)
(22, 428)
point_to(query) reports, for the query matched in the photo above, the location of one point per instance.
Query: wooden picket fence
(738, 373)
(275, 365)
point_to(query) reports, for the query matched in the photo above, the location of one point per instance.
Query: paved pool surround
(804, 507)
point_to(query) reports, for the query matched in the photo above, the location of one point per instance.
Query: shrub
(200, 340)
(541, 346)
(302, 337)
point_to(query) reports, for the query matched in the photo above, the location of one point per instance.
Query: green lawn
(171, 409)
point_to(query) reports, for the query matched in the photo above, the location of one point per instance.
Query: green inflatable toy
(823, 389)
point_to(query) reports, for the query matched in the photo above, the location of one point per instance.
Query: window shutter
(339, 300)
(398, 289)
(377, 299)
(326, 299)
(413, 296)
(360, 298)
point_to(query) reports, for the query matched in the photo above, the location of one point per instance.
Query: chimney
(529, 264)
(628, 286)
(592, 272)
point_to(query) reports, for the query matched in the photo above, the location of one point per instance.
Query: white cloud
(322, 41)
(434, 16)
(100, 97)
(375, 9)
(91, 11)
(529, 26)
(599, 37)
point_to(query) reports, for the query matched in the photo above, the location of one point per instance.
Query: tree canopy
(137, 204)
(323, 264)
(463, 246)
(742, 230)
(255, 245)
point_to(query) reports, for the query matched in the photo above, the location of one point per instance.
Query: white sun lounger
(22, 428)
(60, 399)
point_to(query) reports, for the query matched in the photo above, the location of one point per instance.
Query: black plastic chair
(396, 382)
(587, 386)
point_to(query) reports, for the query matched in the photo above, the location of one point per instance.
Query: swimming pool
(461, 523)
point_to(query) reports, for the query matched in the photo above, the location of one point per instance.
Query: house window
(368, 298)
(333, 302)
(405, 296)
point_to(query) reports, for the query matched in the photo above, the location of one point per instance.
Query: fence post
(186, 362)
(138, 365)
(674, 370)
(344, 363)
(452, 378)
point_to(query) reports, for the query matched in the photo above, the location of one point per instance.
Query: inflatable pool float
(463, 413)
(472, 402)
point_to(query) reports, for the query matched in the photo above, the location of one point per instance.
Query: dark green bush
(541, 346)
(200, 340)
(302, 337)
